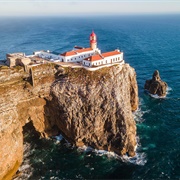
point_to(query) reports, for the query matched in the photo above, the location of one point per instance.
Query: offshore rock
(88, 108)
(155, 85)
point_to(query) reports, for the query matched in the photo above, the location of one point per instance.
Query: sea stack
(155, 85)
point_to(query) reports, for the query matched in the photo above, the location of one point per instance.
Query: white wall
(106, 60)
(46, 55)
(75, 58)
(79, 56)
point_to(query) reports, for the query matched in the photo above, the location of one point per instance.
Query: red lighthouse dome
(93, 40)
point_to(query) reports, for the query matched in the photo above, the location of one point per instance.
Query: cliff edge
(88, 108)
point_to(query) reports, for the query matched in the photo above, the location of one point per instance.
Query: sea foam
(138, 114)
(169, 89)
(138, 159)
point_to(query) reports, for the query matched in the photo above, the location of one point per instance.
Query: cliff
(88, 108)
(20, 102)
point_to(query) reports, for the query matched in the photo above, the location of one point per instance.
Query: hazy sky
(85, 7)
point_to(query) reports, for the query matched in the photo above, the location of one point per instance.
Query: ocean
(149, 42)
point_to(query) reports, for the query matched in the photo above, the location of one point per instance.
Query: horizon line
(93, 15)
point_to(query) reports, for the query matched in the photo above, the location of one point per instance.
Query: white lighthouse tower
(93, 40)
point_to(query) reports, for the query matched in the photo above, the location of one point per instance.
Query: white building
(47, 55)
(104, 58)
(87, 56)
(78, 55)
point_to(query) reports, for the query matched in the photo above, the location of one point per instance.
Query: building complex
(89, 57)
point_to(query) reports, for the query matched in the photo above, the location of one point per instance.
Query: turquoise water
(148, 43)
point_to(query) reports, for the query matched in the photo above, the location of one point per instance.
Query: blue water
(149, 43)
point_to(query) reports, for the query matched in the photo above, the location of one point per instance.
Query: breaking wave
(139, 113)
(169, 89)
(138, 159)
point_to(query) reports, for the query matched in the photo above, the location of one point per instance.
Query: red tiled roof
(74, 52)
(70, 53)
(100, 57)
(112, 53)
(94, 58)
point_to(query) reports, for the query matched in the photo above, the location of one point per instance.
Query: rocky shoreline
(88, 108)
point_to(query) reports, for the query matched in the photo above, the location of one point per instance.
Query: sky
(87, 7)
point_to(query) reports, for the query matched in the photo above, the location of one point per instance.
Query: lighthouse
(93, 40)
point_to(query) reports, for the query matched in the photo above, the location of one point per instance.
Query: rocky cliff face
(156, 85)
(88, 108)
(20, 103)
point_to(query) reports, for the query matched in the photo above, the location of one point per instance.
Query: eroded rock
(155, 85)
(95, 108)
(88, 108)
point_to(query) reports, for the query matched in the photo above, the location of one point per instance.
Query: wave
(169, 89)
(138, 114)
(138, 159)
(60, 138)
(156, 96)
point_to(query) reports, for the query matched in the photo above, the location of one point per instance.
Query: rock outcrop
(155, 85)
(20, 103)
(94, 108)
(88, 108)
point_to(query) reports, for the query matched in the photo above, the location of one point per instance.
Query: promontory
(92, 108)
